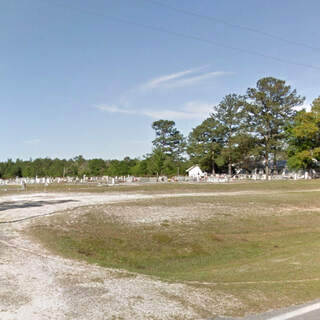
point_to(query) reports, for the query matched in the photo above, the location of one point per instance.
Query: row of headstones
(259, 176)
(84, 179)
(131, 179)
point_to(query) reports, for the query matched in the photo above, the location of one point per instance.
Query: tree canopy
(168, 139)
(230, 115)
(271, 105)
(205, 144)
(304, 138)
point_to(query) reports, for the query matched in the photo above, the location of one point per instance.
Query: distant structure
(195, 172)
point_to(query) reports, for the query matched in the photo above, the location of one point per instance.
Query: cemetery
(197, 176)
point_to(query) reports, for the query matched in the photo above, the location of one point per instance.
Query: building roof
(194, 166)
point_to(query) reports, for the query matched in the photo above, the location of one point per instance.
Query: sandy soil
(35, 284)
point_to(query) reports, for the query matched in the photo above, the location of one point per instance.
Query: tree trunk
(275, 166)
(229, 159)
(311, 173)
(229, 168)
(267, 166)
(213, 169)
(266, 150)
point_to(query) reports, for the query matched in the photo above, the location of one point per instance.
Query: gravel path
(37, 285)
(16, 208)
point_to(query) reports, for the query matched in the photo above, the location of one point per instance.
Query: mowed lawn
(263, 248)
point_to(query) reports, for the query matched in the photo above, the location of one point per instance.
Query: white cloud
(191, 110)
(186, 78)
(169, 114)
(196, 79)
(114, 109)
(306, 105)
(182, 79)
(32, 141)
(156, 82)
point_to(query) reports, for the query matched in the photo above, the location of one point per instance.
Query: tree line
(260, 126)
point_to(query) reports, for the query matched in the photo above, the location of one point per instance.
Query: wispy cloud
(191, 110)
(182, 79)
(197, 79)
(163, 80)
(185, 78)
(32, 141)
(115, 109)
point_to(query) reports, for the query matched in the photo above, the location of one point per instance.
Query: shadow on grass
(9, 205)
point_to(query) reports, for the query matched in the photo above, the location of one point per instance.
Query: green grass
(256, 247)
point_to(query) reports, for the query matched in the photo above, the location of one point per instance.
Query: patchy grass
(263, 249)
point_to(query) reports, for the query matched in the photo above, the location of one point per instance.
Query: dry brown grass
(262, 249)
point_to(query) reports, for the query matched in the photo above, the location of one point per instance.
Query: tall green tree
(80, 165)
(271, 105)
(205, 144)
(140, 168)
(230, 115)
(315, 106)
(304, 138)
(169, 139)
(156, 162)
(96, 167)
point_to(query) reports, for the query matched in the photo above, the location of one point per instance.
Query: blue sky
(74, 79)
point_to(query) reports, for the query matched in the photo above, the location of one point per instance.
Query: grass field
(263, 248)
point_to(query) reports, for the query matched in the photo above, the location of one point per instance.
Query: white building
(195, 172)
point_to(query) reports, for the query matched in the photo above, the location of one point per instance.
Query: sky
(88, 78)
